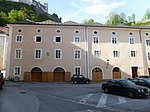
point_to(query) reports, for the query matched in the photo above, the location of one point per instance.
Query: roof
(72, 23)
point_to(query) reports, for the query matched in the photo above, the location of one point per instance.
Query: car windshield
(128, 83)
(148, 80)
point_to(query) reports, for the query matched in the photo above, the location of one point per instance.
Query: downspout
(86, 53)
(145, 64)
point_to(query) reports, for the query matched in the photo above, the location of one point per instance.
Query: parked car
(1, 83)
(125, 87)
(144, 76)
(142, 82)
(80, 79)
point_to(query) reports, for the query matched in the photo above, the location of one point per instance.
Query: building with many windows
(54, 52)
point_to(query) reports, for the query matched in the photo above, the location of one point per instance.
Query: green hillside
(16, 11)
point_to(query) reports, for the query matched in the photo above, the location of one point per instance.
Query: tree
(146, 15)
(131, 19)
(90, 21)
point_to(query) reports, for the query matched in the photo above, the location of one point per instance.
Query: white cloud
(103, 8)
(74, 4)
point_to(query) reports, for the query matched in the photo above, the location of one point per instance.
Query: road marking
(84, 99)
(102, 101)
(122, 99)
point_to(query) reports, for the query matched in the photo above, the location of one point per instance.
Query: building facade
(54, 52)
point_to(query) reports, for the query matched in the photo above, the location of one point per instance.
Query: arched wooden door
(116, 73)
(97, 74)
(36, 75)
(59, 75)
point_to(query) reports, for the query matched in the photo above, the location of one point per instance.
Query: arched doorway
(116, 73)
(36, 74)
(97, 74)
(59, 74)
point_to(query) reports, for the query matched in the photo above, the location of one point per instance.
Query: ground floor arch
(97, 74)
(58, 74)
(116, 72)
(36, 74)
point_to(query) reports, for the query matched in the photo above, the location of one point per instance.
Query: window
(38, 54)
(58, 54)
(96, 39)
(18, 53)
(58, 31)
(115, 53)
(19, 38)
(97, 53)
(149, 56)
(58, 39)
(133, 54)
(38, 39)
(17, 70)
(77, 32)
(148, 42)
(77, 70)
(114, 40)
(77, 54)
(39, 30)
(76, 39)
(146, 34)
(95, 32)
(131, 40)
(19, 30)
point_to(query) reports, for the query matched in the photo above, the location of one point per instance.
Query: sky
(98, 10)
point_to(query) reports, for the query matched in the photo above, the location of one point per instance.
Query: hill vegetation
(17, 11)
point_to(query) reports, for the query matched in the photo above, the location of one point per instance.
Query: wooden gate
(116, 73)
(97, 75)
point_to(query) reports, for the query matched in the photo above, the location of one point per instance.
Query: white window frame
(39, 54)
(16, 73)
(96, 39)
(77, 54)
(18, 53)
(97, 53)
(115, 54)
(61, 39)
(114, 40)
(20, 40)
(135, 53)
(35, 38)
(55, 57)
(131, 40)
(77, 68)
(77, 39)
(148, 42)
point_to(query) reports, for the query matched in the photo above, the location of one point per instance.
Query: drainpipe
(86, 53)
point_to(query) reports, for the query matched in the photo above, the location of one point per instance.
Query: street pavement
(14, 99)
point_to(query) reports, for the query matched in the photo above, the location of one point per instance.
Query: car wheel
(87, 82)
(106, 90)
(130, 94)
(75, 82)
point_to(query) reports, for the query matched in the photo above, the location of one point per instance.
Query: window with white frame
(133, 53)
(18, 53)
(77, 70)
(19, 38)
(38, 39)
(97, 53)
(17, 70)
(148, 42)
(131, 40)
(77, 54)
(148, 56)
(96, 39)
(58, 39)
(38, 54)
(116, 53)
(58, 54)
(114, 40)
(76, 39)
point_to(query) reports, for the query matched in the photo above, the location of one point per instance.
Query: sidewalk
(15, 99)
